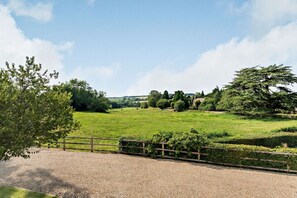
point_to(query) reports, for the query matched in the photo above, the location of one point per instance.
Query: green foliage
(179, 141)
(261, 90)
(188, 141)
(125, 102)
(84, 97)
(163, 104)
(163, 136)
(208, 105)
(179, 105)
(153, 98)
(9, 192)
(238, 155)
(197, 104)
(199, 95)
(31, 111)
(144, 105)
(165, 95)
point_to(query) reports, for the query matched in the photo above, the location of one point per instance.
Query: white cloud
(15, 46)
(263, 15)
(274, 24)
(41, 11)
(217, 66)
(99, 73)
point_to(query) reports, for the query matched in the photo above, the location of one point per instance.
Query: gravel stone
(82, 174)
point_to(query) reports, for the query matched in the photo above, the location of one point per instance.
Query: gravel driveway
(80, 174)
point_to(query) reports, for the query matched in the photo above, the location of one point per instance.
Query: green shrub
(163, 104)
(188, 141)
(240, 155)
(179, 106)
(197, 104)
(207, 105)
(144, 105)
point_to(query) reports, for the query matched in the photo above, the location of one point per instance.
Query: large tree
(153, 98)
(84, 97)
(31, 111)
(260, 90)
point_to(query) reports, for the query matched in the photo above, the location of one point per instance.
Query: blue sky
(129, 47)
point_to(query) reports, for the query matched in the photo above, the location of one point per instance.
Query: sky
(129, 47)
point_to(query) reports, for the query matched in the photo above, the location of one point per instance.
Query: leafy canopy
(84, 97)
(31, 111)
(260, 90)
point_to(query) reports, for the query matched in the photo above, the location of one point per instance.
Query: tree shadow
(39, 180)
(268, 117)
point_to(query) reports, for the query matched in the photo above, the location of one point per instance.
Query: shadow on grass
(268, 117)
(271, 142)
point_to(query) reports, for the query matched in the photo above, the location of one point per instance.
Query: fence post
(120, 146)
(64, 144)
(163, 153)
(143, 147)
(92, 144)
(198, 154)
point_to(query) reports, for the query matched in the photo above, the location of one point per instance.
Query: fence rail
(90, 144)
(258, 160)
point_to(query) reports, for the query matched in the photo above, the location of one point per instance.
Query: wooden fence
(276, 161)
(206, 154)
(92, 144)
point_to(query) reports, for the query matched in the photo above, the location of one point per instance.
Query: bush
(144, 105)
(197, 104)
(188, 141)
(179, 106)
(207, 105)
(163, 104)
(152, 102)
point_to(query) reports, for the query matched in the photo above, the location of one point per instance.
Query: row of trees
(179, 100)
(256, 90)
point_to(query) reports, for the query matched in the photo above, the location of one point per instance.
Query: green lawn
(13, 192)
(143, 123)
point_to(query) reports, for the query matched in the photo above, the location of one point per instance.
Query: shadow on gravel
(5, 171)
(41, 180)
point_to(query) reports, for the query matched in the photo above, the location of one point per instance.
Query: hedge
(231, 154)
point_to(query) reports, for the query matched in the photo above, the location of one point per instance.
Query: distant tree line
(255, 90)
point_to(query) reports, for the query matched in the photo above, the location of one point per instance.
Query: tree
(31, 111)
(178, 95)
(260, 90)
(179, 105)
(165, 95)
(207, 105)
(84, 97)
(163, 104)
(143, 105)
(153, 98)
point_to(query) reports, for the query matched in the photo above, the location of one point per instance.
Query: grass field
(13, 192)
(143, 123)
